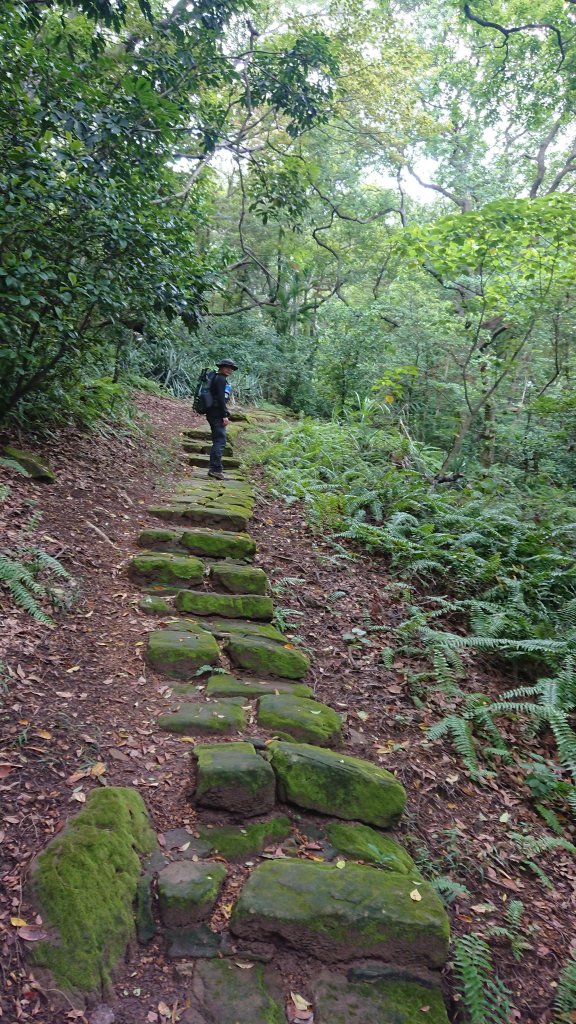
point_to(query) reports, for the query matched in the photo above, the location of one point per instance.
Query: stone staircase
(334, 889)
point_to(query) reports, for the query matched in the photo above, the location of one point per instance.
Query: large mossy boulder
(85, 884)
(235, 842)
(228, 686)
(34, 465)
(336, 784)
(230, 606)
(191, 512)
(178, 653)
(363, 843)
(202, 719)
(293, 717)
(233, 777)
(343, 913)
(265, 657)
(167, 568)
(392, 1000)
(239, 579)
(207, 543)
(187, 892)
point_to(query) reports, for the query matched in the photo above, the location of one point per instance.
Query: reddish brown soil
(79, 696)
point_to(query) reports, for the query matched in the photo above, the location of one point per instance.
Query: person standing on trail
(218, 416)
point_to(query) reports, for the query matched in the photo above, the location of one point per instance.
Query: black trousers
(218, 443)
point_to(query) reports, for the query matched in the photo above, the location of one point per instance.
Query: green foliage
(565, 1000)
(485, 999)
(28, 574)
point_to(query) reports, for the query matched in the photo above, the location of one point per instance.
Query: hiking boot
(216, 476)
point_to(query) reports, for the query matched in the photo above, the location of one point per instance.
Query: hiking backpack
(203, 397)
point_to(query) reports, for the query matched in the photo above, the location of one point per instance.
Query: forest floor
(80, 706)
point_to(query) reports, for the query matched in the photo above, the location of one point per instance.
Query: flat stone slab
(189, 512)
(209, 543)
(228, 686)
(203, 446)
(235, 842)
(230, 606)
(266, 657)
(167, 568)
(244, 627)
(179, 653)
(197, 941)
(318, 908)
(203, 719)
(299, 718)
(363, 843)
(239, 579)
(154, 605)
(233, 777)
(196, 459)
(187, 892)
(336, 784)
(399, 1000)
(220, 992)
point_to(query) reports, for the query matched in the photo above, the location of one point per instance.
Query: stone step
(316, 908)
(362, 843)
(222, 993)
(392, 998)
(337, 784)
(187, 892)
(198, 433)
(266, 657)
(203, 447)
(228, 686)
(215, 717)
(208, 543)
(236, 842)
(167, 568)
(191, 512)
(233, 777)
(222, 628)
(153, 604)
(293, 717)
(239, 579)
(178, 654)
(230, 606)
(203, 461)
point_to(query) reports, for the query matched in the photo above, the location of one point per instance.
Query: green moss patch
(316, 908)
(233, 777)
(265, 657)
(235, 842)
(202, 719)
(166, 567)
(387, 1001)
(336, 784)
(231, 606)
(244, 627)
(190, 512)
(179, 653)
(154, 605)
(85, 884)
(239, 579)
(227, 686)
(363, 843)
(300, 719)
(208, 543)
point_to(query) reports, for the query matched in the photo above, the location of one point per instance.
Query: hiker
(218, 416)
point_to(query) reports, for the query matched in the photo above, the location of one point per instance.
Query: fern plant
(565, 1001)
(514, 929)
(26, 574)
(484, 996)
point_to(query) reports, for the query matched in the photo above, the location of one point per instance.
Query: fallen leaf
(97, 769)
(79, 796)
(362, 715)
(415, 895)
(44, 734)
(244, 966)
(18, 922)
(340, 863)
(75, 668)
(5, 769)
(299, 1002)
(32, 933)
(164, 1010)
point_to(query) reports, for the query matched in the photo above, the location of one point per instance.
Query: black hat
(227, 362)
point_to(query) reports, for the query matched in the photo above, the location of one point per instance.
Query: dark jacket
(218, 387)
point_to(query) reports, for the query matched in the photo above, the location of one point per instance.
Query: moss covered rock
(243, 627)
(239, 579)
(190, 512)
(154, 605)
(218, 544)
(395, 1000)
(202, 719)
(233, 777)
(85, 883)
(34, 465)
(178, 653)
(266, 657)
(187, 892)
(231, 606)
(336, 784)
(227, 686)
(223, 993)
(167, 568)
(203, 446)
(235, 842)
(363, 843)
(197, 459)
(316, 908)
(300, 719)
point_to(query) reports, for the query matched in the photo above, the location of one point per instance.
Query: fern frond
(484, 996)
(565, 1000)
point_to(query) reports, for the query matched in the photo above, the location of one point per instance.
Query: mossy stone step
(187, 892)
(222, 993)
(165, 567)
(200, 433)
(292, 717)
(190, 512)
(393, 1000)
(84, 884)
(154, 605)
(179, 653)
(208, 543)
(235, 842)
(228, 686)
(232, 627)
(361, 842)
(336, 784)
(239, 579)
(266, 657)
(203, 461)
(231, 606)
(215, 717)
(316, 908)
(203, 447)
(233, 777)
(34, 465)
